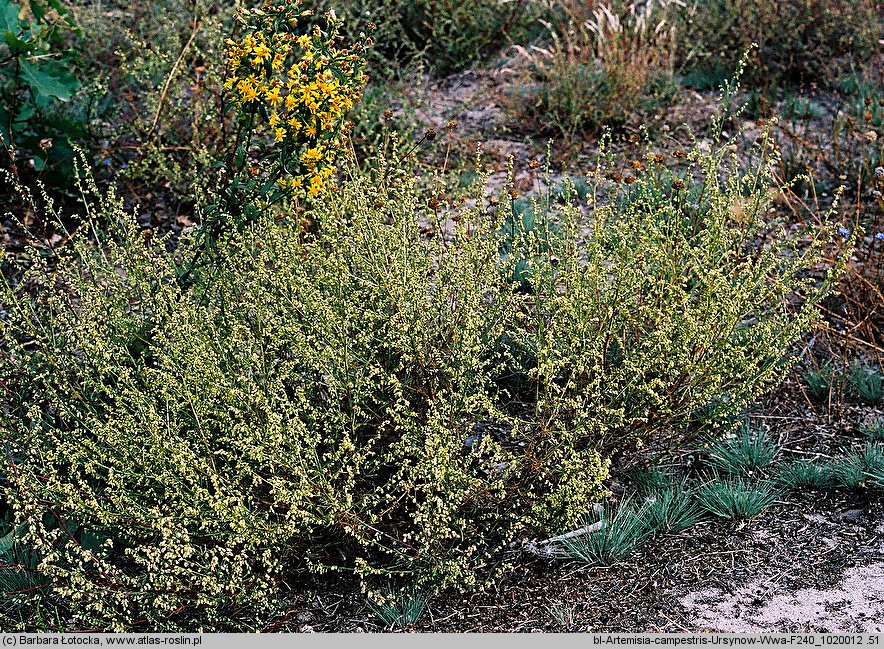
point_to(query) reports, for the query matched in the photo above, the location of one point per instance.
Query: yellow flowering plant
(291, 87)
(295, 88)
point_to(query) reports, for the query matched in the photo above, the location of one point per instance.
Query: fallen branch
(551, 548)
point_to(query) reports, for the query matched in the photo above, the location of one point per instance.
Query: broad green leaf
(7, 542)
(38, 10)
(48, 81)
(4, 127)
(9, 21)
(90, 541)
(27, 112)
(17, 45)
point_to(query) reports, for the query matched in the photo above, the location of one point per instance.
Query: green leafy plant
(605, 61)
(610, 322)
(168, 121)
(863, 467)
(797, 40)
(819, 382)
(37, 77)
(307, 410)
(331, 400)
(749, 452)
(856, 142)
(849, 471)
(295, 91)
(735, 497)
(874, 461)
(24, 592)
(444, 36)
(653, 479)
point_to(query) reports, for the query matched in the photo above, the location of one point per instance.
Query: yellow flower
(261, 53)
(273, 96)
(247, 89)
(274, 120)
(316, 185)
(280, 134)
(311, 156)
(304, 41)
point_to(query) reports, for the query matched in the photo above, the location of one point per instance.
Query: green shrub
(866, 384)
(334, 400)
(798, 40)
(858, 468)
(605, 62)
(820, 382)
(164, 62)
(302, 406)
(804, 474)
(653, 479)
(849, 471)
(446, 35)
(873, 457)
(659, 307)
(671, 509)
(856, 143)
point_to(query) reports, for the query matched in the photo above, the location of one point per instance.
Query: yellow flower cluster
(299, 88)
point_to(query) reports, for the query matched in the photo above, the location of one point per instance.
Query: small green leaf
(39, 11)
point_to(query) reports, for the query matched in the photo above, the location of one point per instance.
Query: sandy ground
(853, 603)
